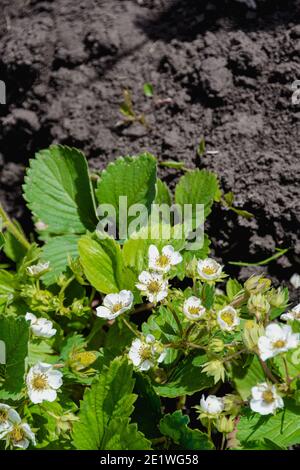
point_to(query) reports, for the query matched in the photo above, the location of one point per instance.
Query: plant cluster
(101, 334)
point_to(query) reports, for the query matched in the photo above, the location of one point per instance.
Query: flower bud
(215, 369)
(191, 268)
(232, 404)
(225, 424)
(278, 298)
(258, 305)
(216, 345)
(252, 331)
(257, 283)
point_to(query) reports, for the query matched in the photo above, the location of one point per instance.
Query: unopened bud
(257, 283)
(258, 305)
(251, 333)
(278, 298)
(225, 424)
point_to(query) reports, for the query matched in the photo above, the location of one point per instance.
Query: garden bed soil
(218, 69)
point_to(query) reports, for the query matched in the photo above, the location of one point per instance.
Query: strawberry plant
(114, 310)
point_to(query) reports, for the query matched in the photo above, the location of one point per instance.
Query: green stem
(232, 356)
(13, 229)
(66, 284)
(135, 332)
(288, 379)
(223, 441)
(267, 371)
(189, 330)
(176, 318)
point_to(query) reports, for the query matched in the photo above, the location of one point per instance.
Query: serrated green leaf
(185, 380)
(282, 429)
(58, 191)
(105, 410)
(197, 187)
(102, 263)
(176, 427)
(131, 177)
(247, 377)
(14, 332)
(163, 195)
(58, 250)
(123, 435)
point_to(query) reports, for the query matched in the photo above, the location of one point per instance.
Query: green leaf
(185, 380)
(8, 282)
(148, 90)
(282, 429)
(58, 250)
(163, 195)
(147, 410)
(13, 248)
(14, 332)
(247, 377)
(102, 263)
(105, 411)
(176, 427)
(2, 240)
(123, 435)
(233, 287)
(135, 250)
(131, 177)
(197, 187)
(58, 191)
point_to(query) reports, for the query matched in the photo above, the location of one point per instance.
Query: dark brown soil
(218, 70)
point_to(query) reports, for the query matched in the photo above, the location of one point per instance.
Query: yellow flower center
(279, 344)
(228, 318)
(117, 307)
(268, 396)
(17, 434)
(209, 270)
(145, 352)
(3, 416)
(39, 382)
(153, 287)
(163, 261)
(193, 310)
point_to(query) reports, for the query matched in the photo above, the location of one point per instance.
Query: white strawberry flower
(8, 416)
(162, 262)
(153, 285)
(40, 327)
(37, 270)
(277, 339)
(193, 308)
(115, 304)
(228, 318)
(209, 269)
(146, 353)
(42, 382)
(265, 399)
(292, 315)
(20, 435)
(212, 405)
